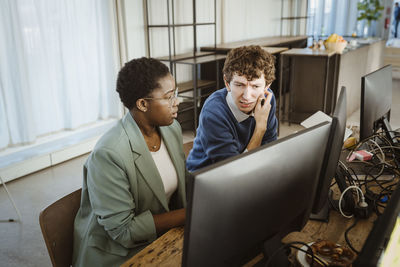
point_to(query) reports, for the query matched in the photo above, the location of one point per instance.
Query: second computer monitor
(332, 154)
(241, 202)
(376, 101)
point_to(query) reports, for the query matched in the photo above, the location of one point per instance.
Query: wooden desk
(272, 41)
(167, 250)
(274, 50)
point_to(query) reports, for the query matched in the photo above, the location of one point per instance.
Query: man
(396, 18)
(241, 116)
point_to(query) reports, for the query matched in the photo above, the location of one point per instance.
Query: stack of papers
(319, 117)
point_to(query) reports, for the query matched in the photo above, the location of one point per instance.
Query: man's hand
(261, 111)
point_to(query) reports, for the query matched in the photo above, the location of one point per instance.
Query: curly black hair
(250, 61)
(138, 78)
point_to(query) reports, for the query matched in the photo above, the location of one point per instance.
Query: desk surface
(167, 250)
(265, 41)
(274, 50)
(309, 52)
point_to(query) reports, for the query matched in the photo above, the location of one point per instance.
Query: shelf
(192, 58)
(185, 56)
(188, 86)
(201, 60)
(185, 106)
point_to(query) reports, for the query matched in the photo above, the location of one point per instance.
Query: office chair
(12, 202)
(187, 147)
(57, 225)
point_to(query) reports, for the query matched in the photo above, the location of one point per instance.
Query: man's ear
(226, 84)
(266, 87)
(141, 104)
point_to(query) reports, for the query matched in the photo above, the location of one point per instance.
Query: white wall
(247, 19)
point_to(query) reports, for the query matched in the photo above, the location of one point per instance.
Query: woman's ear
(141, 104)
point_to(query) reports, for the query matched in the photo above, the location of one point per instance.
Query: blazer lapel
(144, 161)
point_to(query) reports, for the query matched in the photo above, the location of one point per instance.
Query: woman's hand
(168, 220)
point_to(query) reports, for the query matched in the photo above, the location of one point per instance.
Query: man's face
(245, 93)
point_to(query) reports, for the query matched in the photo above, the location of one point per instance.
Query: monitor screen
(376, 100)
(332, 154)
(237, 204)
(384, 237)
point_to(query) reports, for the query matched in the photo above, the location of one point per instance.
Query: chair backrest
(57, 225)
(187, 147)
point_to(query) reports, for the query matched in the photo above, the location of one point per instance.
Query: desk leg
(280, 110)
(195, 106)
(217, 74)
(335, 83)
(291, 82)
(326, 86)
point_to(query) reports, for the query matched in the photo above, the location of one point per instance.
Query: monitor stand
(348, 203)
(323, 214)
(273, 248)
(388, 131)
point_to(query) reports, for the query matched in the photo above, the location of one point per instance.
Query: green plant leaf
(369, 10)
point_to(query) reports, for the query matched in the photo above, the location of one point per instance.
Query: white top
(166, 169)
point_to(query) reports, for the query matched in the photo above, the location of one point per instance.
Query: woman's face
(163, 103)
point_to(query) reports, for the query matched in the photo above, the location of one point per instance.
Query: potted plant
(370, 10)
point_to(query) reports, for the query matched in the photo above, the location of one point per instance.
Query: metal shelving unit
(194, 58)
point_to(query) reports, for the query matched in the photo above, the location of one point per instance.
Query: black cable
(355, 175)
(347, 239)
(332, 204)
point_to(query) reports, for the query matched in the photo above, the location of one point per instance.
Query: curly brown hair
(249, 61)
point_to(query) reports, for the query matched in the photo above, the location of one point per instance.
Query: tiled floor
(21, 243)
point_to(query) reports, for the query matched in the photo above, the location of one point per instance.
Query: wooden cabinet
(312, 83)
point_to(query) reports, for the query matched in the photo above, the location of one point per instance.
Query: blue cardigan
(220, 135)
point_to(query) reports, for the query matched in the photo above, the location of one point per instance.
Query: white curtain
(57, 69)
(332, 16)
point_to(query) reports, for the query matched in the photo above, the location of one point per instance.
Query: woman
(134, 179)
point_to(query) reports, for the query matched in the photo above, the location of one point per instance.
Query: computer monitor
(383, 242)
(239, 203)
(376, 101)
(320, 210)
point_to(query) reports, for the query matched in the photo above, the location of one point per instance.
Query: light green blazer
(121, 190)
